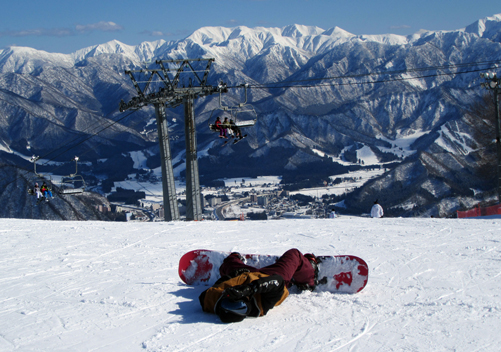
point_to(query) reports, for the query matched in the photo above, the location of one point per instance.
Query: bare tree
(482, 118)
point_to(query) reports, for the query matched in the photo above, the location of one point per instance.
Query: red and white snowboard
(342, 273)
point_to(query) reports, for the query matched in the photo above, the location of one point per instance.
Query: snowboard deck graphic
(339, 274)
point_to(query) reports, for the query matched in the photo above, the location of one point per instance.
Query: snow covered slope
(95, 286)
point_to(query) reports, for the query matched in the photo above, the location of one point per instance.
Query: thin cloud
(400, 27)
(100, 26)
(164, 34)
(157, 33)
(63, 32)
(38, 32)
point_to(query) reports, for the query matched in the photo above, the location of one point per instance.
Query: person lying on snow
(244, 291)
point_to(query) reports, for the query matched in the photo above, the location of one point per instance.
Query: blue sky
(68, 25)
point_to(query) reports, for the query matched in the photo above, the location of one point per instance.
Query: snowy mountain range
(326, 100)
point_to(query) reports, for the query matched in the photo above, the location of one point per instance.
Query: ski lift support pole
(34, 159)
(75, 159)
(245, 88)
(170, 94)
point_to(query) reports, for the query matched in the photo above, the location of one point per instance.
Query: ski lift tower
(162, 89)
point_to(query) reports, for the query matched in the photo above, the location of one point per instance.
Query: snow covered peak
(111, 47)
(258, 37)
(208, 35)
(140, 52)
(488, 28)
(338, 33)
(242, 43)
(24, 60)
(245, 43)
(391, 39)
(27, 51)
(297, 30)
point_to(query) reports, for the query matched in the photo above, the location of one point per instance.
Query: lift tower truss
(162, 88)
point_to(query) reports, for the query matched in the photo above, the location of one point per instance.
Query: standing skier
(244, 291)
(377, 210)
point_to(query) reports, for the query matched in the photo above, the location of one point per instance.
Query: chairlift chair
(72, 184)
(40, 177)
(236, 112)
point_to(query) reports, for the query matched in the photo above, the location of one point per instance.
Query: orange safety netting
(492, 210)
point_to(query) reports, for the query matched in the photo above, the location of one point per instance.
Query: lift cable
(290, 84)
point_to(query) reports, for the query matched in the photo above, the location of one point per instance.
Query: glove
(239, 292)
(305, 287)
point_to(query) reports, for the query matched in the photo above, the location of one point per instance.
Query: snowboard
(239, 139)
(235, 141)
(226, 141)
(40, 200)
(337, 274)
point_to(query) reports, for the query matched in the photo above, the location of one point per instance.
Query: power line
(93, 131)
(89, 131)
(263, 86)
(289, 83)
(81, 142)
(89, 136)
(369, 82)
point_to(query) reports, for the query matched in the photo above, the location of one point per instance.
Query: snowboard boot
(240, 271)
(235, 255)
(238, 255)
(314, 261)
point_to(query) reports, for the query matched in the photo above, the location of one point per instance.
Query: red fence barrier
(493, 210)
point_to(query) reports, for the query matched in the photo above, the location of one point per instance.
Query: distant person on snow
(244, 291)
(377, 210)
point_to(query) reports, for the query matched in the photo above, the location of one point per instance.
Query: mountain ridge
(308, 38)
(339, 95)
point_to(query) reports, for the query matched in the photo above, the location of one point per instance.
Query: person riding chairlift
(37, 191)
(46, 191)
(236, 130)
(222, 129)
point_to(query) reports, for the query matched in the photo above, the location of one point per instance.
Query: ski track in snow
(100, 286)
